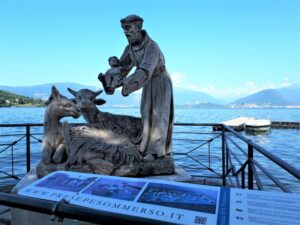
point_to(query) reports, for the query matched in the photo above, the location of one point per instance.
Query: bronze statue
(117, 144)
(156, 107)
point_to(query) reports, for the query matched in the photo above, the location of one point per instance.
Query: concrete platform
(4, 215)
(237, 124)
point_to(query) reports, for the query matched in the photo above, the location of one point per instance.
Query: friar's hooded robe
(157, 107)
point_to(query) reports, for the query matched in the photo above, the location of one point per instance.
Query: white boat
(258, 125)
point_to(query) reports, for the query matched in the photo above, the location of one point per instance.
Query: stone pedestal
(160, 166)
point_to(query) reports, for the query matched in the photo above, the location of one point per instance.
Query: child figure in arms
(112, 78)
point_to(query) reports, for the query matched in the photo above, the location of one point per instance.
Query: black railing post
(223, 157)
(227, 158)
(28, 147)
(250, 171)
(243, 177)
(12, 160)
(208, 154)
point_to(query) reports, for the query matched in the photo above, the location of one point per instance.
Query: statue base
(159, 166)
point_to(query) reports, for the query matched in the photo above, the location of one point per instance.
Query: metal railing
(214, 155)
(9, 141)
(60, 210)
(198, 152)
(251, 166)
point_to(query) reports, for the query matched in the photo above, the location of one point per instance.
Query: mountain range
(182, 96)
(286, 96)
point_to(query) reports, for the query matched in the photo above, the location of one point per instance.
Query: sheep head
(86, 99)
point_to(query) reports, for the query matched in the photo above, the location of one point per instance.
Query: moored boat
(258, 125)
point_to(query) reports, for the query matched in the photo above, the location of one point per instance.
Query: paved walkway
(4, 215)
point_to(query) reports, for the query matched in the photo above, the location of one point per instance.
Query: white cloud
(269, 85)
(177, 79)
(248, 88)
(227, 92)
(285, 82)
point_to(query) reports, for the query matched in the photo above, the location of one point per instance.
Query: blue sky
(228, 49)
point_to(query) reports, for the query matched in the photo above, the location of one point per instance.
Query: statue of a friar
(157, 109)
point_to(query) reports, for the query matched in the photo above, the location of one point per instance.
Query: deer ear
(47, 102)
(99, 101)
(55, 93)
(74, 93)
(73, 100)
(98, 93)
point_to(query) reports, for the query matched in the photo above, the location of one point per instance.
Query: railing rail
(60, 210)
(252, 164)
(292, 170)
(234, 170)
(25, 135)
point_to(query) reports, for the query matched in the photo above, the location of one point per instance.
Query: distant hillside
(43, 91)
(188, 97)
(292, 93)
(202, 106)
(8, 99)
(287, 96)
(182, 97)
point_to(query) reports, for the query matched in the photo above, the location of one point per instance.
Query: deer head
(60, 106)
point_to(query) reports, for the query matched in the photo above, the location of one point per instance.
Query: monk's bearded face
(132, 33)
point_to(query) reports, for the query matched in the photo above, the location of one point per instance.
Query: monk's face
(132, 32)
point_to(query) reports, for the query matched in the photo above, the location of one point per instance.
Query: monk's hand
(134, 82)
(129, 86)
(125, 89)
(125, 93)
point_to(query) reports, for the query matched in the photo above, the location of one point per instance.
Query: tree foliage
(8, 99)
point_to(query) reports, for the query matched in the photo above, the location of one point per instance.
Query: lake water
(284, 143)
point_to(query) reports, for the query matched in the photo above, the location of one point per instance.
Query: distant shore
(22, 106)
(176, 107)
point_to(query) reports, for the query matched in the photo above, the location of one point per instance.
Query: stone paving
(4, 215)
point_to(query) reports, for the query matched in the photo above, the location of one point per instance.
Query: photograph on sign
(115, 188)
(66, 182)
(190, 198)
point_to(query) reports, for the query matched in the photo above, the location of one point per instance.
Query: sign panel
(173, 202)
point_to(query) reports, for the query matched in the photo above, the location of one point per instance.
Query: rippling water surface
(284, 143)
